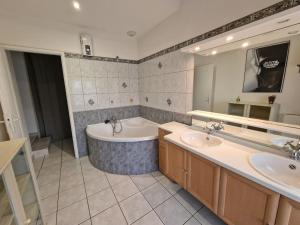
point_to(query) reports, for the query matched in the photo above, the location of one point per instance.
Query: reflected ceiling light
(245, 44)
(283, 21)
(229, 38)
(197, 48)
(76, 5)
(214, 52)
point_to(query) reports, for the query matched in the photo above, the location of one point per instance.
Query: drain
(292, 167)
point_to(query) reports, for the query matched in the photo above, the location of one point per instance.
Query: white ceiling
(110, 17)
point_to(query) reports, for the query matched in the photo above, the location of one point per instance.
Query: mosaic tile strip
(100, 58)
(269, 11)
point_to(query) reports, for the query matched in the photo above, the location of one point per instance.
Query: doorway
(204, 82)
(41, 89)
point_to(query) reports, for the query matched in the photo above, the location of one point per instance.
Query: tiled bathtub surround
(85, 118)
(95, 84)
(163, 116)
(126, 158)
(166, 82)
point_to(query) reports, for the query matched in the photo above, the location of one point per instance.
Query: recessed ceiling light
(214, 52)
(131, 33)
(245, 44)
(293, 32)
(283, 21)
(197, 48)
(229, 38)
(76, 5)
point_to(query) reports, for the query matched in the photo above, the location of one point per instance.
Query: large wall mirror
(257, 77)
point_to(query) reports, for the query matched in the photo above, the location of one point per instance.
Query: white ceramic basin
(200, 140)
(280, 169)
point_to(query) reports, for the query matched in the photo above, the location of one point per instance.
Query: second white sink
(200, 140)
(280, 169)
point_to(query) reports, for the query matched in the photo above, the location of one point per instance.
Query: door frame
(64, 70)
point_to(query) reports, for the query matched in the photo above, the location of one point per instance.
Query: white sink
(277, 168)
(200, 140)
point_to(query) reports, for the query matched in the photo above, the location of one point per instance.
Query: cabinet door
(163, 152)
(288, 212)
(203, 180)
(243, 202)
(177, 164)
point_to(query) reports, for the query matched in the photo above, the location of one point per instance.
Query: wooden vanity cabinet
(163, 152)
(177, 164)
(203, 180)
(288, 212)
(244, 202)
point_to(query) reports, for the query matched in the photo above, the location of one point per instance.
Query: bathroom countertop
(232, 156)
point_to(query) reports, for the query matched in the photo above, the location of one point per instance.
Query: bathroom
(180, 112)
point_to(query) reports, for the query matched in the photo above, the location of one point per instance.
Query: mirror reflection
(256, 78)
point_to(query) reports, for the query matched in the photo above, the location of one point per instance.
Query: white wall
(194, 18)
(101, 82)
(21, 77)
(62, 39)
(230, 69)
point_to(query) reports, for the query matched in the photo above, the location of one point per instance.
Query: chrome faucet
(218, 126)
(293, 149)
(113, 122)
(215, 126)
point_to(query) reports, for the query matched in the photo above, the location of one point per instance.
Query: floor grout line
(116, 198)
(87, 200)
(148, 201)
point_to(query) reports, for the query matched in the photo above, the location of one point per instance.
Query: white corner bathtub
(134, 129)
(133, 151)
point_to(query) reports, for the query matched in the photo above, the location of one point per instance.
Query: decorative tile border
(269, 11)
(100, 58)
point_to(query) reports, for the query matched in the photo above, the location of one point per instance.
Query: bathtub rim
(123, 139)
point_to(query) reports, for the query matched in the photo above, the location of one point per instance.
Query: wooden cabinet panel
(243, 202)
(163, 159)
(163, 152)
(203, 180)
(177, 158)
(288, 212)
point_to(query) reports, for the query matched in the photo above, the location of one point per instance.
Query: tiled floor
(74, 192)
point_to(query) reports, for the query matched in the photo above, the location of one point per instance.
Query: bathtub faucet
(114, 122)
